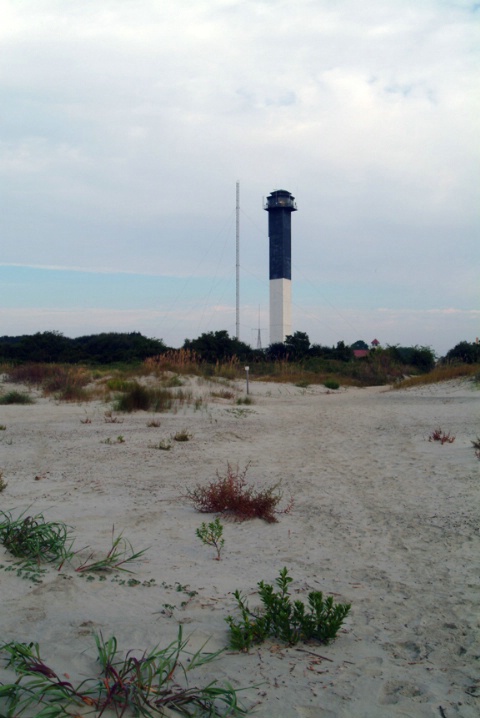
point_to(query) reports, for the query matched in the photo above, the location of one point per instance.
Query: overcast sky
(125, 125)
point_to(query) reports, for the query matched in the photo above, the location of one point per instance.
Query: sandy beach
(383, 519)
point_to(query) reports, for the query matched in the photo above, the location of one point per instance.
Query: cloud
(125, 125)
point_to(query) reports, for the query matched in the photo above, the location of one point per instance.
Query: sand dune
(383, 519)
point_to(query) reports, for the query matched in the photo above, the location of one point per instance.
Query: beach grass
(445, 372)
(131, 684)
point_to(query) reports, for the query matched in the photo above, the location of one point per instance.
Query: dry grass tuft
(153, 423)
(179, 361)
(65, 383)
(223, 394)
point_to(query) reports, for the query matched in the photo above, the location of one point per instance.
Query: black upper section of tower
(280, 205)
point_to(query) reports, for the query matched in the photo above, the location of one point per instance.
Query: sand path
(383, 518)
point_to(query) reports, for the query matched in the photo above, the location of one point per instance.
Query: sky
(126, 124)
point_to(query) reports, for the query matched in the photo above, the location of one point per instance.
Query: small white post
(247, 369)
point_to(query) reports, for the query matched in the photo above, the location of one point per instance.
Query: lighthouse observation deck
(281, 199)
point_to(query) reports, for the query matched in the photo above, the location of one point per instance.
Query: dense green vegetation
(216, 353)
(465, 353)
(219, 346)
(108, 348)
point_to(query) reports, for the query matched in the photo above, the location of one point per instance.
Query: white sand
(383, 519)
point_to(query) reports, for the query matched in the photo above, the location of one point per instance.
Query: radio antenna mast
(237, 235)
(259, 335)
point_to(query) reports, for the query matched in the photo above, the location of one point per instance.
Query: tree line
(210, 347)
(105, 348)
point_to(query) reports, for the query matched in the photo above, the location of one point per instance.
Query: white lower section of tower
(280, 309)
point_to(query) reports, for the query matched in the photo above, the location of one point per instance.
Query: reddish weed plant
(231, 495)
(441, 436)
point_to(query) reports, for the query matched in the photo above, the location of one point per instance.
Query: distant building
(360, 349)
(280, 205)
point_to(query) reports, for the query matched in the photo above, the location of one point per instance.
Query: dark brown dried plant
(231, 495)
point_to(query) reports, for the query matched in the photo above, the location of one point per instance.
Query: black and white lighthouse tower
(280, 204)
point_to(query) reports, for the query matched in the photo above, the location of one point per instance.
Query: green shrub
(284, 619)
(163, 445)
(141, 398)
(466, 352)
(212, 535)
(302, 384)
(116, 383)
(135, 398)
(182, 435)
(173, 381)
(331, 384)
(16, 397)
(247, 400)
(119, 440)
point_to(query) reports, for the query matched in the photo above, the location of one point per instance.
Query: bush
(182, 435)
(140, 398)
(418, 358)
(465, 352)
(103, 348)
(162, 445)
(285, 619)
(135, 398)
(212, 535)
(218, 346)
(302, 384)
(231, 494)
(16, 397)
(330, 384)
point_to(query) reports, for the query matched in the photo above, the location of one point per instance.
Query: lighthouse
(280, 204)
